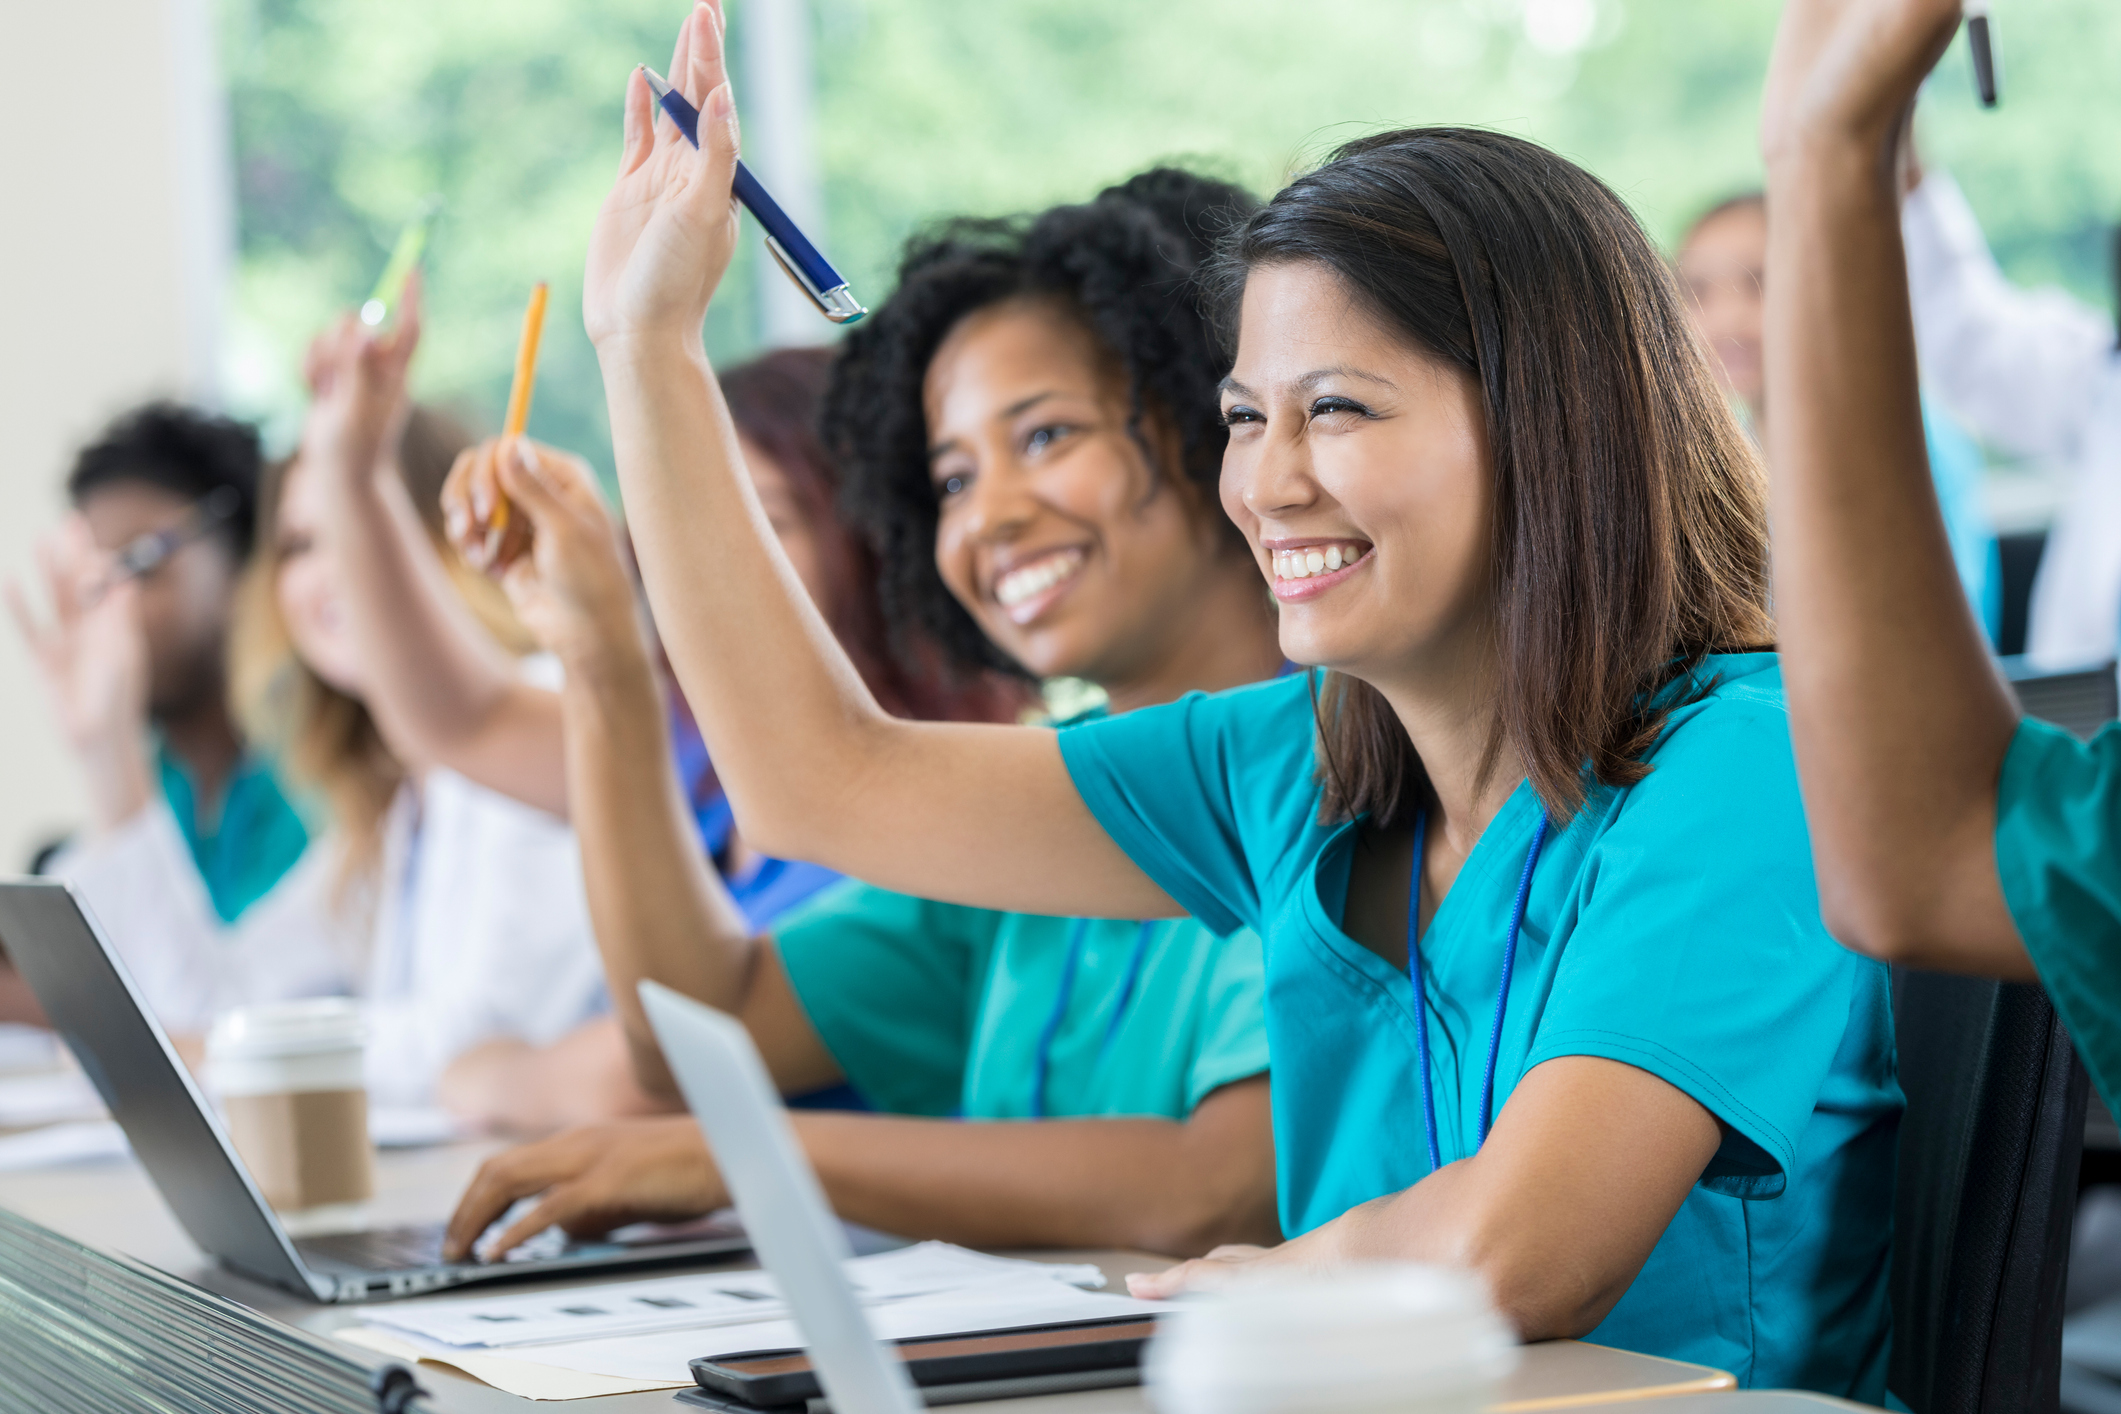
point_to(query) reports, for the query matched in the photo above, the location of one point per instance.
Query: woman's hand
(1845, 72)
(558, 558)
(593, 1180)
(1221, 1267)
(92, 656)
(666, 232)
(358, 397)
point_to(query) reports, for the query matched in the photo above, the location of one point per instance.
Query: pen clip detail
(838, 304)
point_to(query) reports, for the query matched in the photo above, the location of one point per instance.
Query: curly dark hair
(1125, 264)
(183, 450)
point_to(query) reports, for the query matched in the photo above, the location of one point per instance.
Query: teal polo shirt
(1672, 925)
(2058, 852)
(241, 843)
(938, 1009)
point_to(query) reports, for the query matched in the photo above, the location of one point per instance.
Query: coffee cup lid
(289, 1028)
(1389, 1334)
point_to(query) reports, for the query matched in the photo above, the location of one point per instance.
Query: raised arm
(975, 814)
(1900, 720)
(659, 909)
(441, 690)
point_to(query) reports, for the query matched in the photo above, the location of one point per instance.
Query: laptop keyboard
(382, 1249)
(396, 1249)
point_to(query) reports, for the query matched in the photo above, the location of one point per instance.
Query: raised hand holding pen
(667, 231)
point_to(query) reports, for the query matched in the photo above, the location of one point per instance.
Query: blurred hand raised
(358, 396)
(92, 655)
(666, 232)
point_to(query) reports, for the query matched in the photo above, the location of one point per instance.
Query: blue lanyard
(1061, 998)
(1502, 992)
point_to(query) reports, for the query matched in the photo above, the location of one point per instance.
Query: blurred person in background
(1721, 262)
(142, 696)
(456, 914)
(2038, 374)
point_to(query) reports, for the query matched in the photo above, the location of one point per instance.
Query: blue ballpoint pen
(790, 248)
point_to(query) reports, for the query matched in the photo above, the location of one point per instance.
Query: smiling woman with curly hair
(1108, 286)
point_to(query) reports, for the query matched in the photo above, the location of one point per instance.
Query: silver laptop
(794, 1232)
(91, 1002)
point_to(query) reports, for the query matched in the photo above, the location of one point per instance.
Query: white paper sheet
(84, 1141)
(518, 1377)
(661, 1360)
(489, 1320)
(412, 1127)
(27, 1048)
(47, 1097)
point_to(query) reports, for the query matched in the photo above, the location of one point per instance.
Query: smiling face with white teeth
(1054, 533)
(1358, 469)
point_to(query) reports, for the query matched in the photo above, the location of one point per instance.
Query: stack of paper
(46, 1097)
(640, 1335)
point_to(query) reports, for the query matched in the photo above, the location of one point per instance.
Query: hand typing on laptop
(592, 1181)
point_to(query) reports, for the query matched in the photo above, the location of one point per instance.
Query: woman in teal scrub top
(1950, 834)
(1049, 533)
(1483, 469)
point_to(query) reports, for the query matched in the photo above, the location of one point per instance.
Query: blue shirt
(1672, 925)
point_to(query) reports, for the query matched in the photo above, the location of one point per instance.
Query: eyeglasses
(144, 554)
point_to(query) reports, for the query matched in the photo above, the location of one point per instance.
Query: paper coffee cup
(1382, 1339)
(288, 1078)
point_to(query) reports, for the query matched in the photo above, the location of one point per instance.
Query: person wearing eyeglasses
(164, 508)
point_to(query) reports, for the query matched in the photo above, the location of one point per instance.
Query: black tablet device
(784, 1379)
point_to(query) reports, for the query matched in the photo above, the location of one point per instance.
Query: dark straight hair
(1630, 525)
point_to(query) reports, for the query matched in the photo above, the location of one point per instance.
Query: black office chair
(1987, 1189)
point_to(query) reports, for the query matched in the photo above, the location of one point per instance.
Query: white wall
(777, 92)
(116, 236)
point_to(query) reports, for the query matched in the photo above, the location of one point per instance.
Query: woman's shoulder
(1253, 742)
(1727, 700)
(1724, 746)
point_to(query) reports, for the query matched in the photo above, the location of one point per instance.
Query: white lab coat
(2036, 373)
(475, 928)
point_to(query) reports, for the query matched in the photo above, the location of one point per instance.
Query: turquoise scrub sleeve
(2058, 853)
(1195, 790)
(1699, 955)
(891, 984)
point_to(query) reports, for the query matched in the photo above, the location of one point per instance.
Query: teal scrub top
(937, 1009)
(1672, 925)
(2058, 852)
(242, 843)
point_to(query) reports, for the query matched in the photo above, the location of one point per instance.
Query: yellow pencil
(526, 376)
